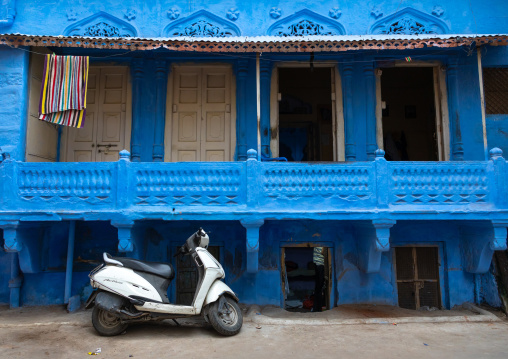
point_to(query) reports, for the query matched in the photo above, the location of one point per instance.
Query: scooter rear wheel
(225, 316)
(106, 323)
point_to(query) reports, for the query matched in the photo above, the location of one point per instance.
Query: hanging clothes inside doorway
(63, 92)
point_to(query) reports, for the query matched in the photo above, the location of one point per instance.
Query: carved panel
(202, 24)
(306, 23)
(439, 183)
(182, 186)
(101, 24)
(409, 21)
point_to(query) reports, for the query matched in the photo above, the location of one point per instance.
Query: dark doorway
(418, 277)
(409, 114)
(187, 277)
(299, 278)
(305, 114)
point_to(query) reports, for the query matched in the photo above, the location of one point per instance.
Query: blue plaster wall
(5, 272)
(13, 95)
(149, 18)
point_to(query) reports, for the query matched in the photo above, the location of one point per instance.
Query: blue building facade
(393, 117)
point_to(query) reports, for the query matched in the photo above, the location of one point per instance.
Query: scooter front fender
(217, 289)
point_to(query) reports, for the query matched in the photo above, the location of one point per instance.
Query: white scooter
(129, 290)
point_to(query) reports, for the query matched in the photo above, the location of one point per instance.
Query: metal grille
(427, 262)
(429, 294)
(495, 83)
(406, 292)
(404, 261)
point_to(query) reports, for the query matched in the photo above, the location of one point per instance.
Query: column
(347, 76)
(373, 239)
(241, 101)
(125, 238)
(266, 74)
(252, 226)
(161, 81)
(13, 245)
(370, 109)
(457, 150)
(138, 73)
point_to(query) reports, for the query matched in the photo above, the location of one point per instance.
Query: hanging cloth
(63, 92)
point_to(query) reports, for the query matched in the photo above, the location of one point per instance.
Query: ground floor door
(201, 114)
(107, 127)
(299, 277)
(417, 271)
(187, 277)
(411, 114)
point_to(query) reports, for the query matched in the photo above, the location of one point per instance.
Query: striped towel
(63, 92)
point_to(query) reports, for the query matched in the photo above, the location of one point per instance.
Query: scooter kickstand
(174, 320)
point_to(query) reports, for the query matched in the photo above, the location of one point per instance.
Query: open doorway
(306, 114)
(410, 117)
(299, 278)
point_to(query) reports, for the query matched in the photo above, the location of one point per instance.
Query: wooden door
(417, 277)
(104, 134)
(201, 129)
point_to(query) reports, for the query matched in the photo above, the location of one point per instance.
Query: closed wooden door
(104, 134)
(201, 129)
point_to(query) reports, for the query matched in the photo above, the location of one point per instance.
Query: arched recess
(409, 21)
(304, 23)
(201, 24)
(101, 24)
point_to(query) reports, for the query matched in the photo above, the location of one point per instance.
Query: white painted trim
(445, 119)
(338, 121)
(482, 101)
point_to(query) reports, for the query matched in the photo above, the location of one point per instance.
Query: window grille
(495, 84)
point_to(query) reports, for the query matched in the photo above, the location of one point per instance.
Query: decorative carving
(305, 23)
(376, 12)
(335, 12)
(101, 24)
(130, 14)
(275, 12)
(174, 13)
(72, 15)
(439, 183)
(233, 14)
(409, 21)
(438, 11)
(202, 24)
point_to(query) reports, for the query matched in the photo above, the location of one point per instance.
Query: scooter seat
(164, 270)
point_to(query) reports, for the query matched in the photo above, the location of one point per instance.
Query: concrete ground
(50, 332)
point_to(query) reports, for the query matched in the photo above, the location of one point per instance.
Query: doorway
(187, 276)
(306, 114)
(107, 127)
(411, 121)
(298, 274)
(417, 271)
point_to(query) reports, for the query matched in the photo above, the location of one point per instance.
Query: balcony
(233, 190)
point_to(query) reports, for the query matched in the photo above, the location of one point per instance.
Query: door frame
(441, 262)
(440, 104)
(168, 126)
(330, 299)
(337, 108)
(64, 137)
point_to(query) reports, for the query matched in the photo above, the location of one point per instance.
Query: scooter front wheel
(107, 324)
(225, 316)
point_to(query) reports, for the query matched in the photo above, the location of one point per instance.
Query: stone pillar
(266, 74)
(349, 120)
(370, 109)
(241, 101)
(138, 73)
(252, 226)
(161, 82)
(457, 150)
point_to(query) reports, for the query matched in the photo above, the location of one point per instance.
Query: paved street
(75, 338)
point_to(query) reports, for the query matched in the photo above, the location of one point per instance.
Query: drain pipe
(482, 99)
(258, 103)
(70, 261)
(15, 281)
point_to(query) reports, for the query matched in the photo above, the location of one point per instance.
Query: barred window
(495, 84)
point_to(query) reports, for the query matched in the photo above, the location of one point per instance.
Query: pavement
(365, 331)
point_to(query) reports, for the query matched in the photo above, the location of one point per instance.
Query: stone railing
(251, 185)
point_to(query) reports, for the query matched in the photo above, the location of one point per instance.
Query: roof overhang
(261, 43)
